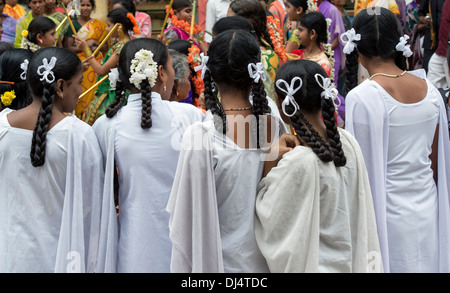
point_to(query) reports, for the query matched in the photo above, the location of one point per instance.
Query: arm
(286, 143)
(434, 154)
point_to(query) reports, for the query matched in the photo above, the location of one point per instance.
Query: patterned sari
(95, 30)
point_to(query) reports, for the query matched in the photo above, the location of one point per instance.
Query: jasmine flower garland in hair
(143, 67)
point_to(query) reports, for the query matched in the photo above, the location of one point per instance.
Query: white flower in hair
(256, 71)
(143, 67)
(312, 6)
(329, 89)
(45, 70)
(403, 47)
(113, 77)
(348, 40)
(290, 91)
(24, 67)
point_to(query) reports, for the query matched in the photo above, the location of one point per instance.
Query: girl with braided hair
(55, 218)
(314, 210)
(211, 224)
(141, 141)
(398, 118)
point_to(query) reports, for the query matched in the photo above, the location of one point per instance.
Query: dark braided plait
(260, 108)
(351, 75)
(334, 139)
(146, 112)
(213, 104)
(119, 100)
(39, 138)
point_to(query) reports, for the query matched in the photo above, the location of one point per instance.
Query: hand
(80, 43)
(285, 144)
(86, 63)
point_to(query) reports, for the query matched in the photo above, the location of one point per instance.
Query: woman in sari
(92, 31)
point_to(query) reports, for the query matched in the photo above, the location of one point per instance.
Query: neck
(312, 49)
(379, 65)
(234, 98)
(316, 121)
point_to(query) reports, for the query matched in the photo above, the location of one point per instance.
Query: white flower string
(403, 47)
(203, 65)
(113, 77)
(143, 67)
(24, 67)
(348, 40)
(45, 70)
(256, 71)
(329, 89)
(290, 92)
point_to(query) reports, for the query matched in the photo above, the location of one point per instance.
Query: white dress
(212, 204)
(314, 217)
(413, 215)
(53, 218)
(146, 160)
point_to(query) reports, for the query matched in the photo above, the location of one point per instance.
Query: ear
(39, 37)
(313, 34)
(300, 10)
(60, 83)
(162, 74)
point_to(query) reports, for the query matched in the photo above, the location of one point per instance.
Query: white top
(312, 216)
(215, 10)
(412, 212)
(212, 204)
(53, 218)
(146, 160)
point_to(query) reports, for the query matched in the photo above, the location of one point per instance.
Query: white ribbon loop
(348, 38)
(203, 66)
(403, 47)
(329, 89)
(256, 71)
(24, 67)
(45, 70)
(113, 77)
(290, 92)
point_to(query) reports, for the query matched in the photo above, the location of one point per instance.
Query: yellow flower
(24, 33)
(8, 97)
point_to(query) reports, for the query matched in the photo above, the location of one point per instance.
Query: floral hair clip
(256, 71)
(113, 77)
(45, 70)
(329, 89)
(290, 91)
(203, 65)
(403, 47)
(348, 40)
(143, 67)
(24, 67)
(8, 97)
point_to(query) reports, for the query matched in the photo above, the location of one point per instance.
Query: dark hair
(11, 71)
(39, 25)
(180, 4)
(129, 50)
(92, 3)
(316, 21)
(229, 53)
(256, 15)
(119, 15)
(232, 22)
(380, 32)
(309, 100)
(180, 45)
(5, 46)
(127, 4)
(299, 3)
(66, 67)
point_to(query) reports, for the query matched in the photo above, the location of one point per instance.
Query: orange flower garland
(276, 35)
(182, 24)
(195, 60)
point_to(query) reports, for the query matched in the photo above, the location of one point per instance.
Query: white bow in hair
(329, 89)
(113, 77)
(349, 44)
(45, 70)
(290, 92)
(203, 66)
(256, 71)
(24, 67)
(403, 47)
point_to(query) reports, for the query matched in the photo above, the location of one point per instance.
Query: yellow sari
(95, 30)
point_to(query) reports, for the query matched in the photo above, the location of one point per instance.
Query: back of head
(13, 68)
(316, 21)
(127, 54)
(46, 67)
(119, 15)
(127, 4)
(300, 3)
(232, 22)
(180, 64)
(180, 45)
(39, 25)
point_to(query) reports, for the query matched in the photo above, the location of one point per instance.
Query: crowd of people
(272, 136)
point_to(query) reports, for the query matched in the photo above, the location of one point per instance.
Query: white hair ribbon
(290, 92)
(348, 38)
(203, 66)
(45, 70)
(403, 47)
(256, 71)
(329, 89)
(113, 77)
(24, 67)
